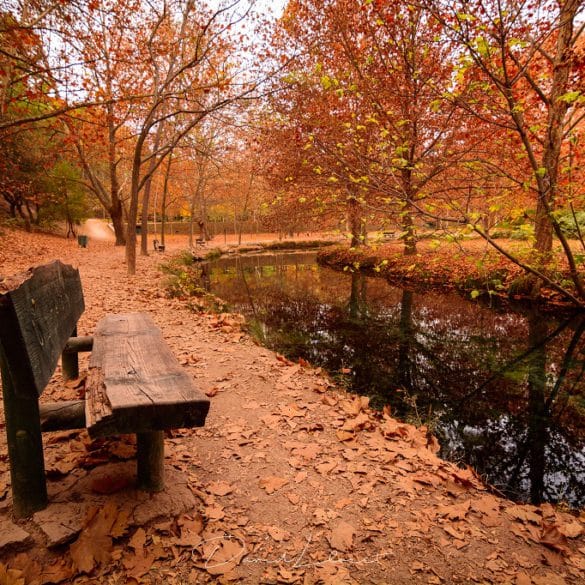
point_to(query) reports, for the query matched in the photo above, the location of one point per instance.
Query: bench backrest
(39, 310)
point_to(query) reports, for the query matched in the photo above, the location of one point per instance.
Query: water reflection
(503, 391)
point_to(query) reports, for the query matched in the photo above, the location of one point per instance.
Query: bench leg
(25, 450)
(150, 455)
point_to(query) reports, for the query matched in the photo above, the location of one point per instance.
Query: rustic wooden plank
(39, 310)
(135, 384)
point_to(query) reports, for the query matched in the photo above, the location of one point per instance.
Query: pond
(503, 391)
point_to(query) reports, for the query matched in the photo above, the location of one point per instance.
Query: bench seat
(135, 384)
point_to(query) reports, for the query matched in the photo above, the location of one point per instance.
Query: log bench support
(134, 383)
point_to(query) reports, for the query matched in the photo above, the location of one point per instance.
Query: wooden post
(62, 416)
(70, 363)
(25, 449)
(150, 456)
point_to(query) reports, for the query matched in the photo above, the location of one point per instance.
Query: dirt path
(96, 229)
(290, 481)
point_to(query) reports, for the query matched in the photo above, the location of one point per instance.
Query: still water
(503, 391)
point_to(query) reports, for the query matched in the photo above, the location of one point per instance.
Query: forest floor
(290, 481)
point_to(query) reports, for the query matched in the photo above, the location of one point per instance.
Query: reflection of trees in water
(498, 385)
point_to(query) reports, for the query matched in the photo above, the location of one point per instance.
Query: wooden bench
(200, 242)
(134, 383)
(388, 235)
(158, 247)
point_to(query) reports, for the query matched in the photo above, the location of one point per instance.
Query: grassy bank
(470, 268)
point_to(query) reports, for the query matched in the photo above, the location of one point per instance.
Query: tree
(191, 77)
(521, 74)
(367, 102)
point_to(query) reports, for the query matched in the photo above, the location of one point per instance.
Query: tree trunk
(356, 225)
(147, 189)
(115, 209)
(547, 174)
(409, 234)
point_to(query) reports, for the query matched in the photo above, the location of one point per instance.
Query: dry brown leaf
(344, 435)
(220, 488)
(342, 503)
(341, 537)
(523, 513)
(354, 406)
(456, 511)
(138, 540)
(326, 467)
(221, 552)
(272, 484)
(94, 544)
(356, 424)
(308, 452)
(214, 512)
(278, 534)
(10, 576)
(571, 529)
(139, 564)
(453, 532)
(291, 411)
(553, 538)
(293, 498)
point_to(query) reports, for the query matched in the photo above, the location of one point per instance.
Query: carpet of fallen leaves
(290, 481)
(471, 266)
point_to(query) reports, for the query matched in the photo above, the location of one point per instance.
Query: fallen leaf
(10, 576)
(344, 435)
(219, 488)
(221, 552)
(138, 540)
(553, 538)
(278, 534)
(571, 530)
(341, 537)
(94, 544)
(272, 484)
(456, 511)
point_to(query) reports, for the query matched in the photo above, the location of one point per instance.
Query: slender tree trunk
(115, 208)
(547, 174)
(164, 200)
(147, 189)
(356, 226)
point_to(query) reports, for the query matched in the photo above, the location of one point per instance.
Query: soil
(290, 481)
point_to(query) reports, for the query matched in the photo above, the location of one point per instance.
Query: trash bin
(138, 229)
(82, 241)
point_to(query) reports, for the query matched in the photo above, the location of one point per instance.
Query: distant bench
(134, 384)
